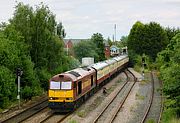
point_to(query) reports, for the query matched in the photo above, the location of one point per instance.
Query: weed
(1, 110)
(131, 108)
(138, 96)
(72, 121)
(119, 81)
(81, 113)
(150, 121)
(174, 120)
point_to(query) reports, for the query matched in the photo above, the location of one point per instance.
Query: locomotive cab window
(60, 85)
(54, 85)
(66, 85)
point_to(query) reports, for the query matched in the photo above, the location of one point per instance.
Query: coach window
(92, 80)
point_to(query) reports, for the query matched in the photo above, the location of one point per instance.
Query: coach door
(79, 87)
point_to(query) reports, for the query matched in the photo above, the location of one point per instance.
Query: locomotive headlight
(69, 98)
(50, 98)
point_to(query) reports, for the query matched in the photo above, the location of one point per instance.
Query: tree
(147, 39)
(109, 42)
(34, 33)
(29, 42)
(124, 40)
(135, 38)
(98, 40)
(169, 60)
(61, 31)
(85, 49)
(171, 32)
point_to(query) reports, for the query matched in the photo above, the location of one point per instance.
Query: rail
(150, 101)
(112, 99)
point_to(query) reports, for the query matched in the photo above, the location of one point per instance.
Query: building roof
(113, 46)
(75, 41)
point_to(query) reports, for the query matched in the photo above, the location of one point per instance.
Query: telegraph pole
(115, 32)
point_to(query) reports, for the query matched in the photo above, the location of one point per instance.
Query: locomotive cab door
(91, 80)
(79, 87)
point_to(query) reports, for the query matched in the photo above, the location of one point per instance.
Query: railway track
(109, 105)
(154, 108)
(27, 113)
(55, 118)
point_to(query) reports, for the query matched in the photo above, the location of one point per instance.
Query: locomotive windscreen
(60, 85)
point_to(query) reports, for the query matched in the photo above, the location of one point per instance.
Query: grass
(112, 88)
(140, 97)
(97, 101)
(119, 81)
(169, 116)
(109, 90)
(174, 120)
(73, 121)
(150, 121)
(81, 113)
(1, 110)
(143, 82)
(131, 108)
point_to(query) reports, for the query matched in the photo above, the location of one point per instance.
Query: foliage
(31, 42)
(171, 32)
(61, 31)
(98, 40)
(123, 41)
(109, 42)
(147, 39)
(86, 49)
(73, 62)
(169, 64)
(73, 121)
(7, 87)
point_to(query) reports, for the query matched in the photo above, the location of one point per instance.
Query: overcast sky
(82, 18)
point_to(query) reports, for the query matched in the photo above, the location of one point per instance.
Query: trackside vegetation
(33, 41)
(161, 49)
(91, 48)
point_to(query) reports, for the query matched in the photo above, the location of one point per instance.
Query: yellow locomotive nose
(60, 95)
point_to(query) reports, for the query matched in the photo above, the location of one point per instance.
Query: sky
(83, 18)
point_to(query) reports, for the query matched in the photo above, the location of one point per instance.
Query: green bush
(7, 87)
(44, 77)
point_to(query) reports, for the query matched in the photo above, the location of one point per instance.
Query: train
(68, 90)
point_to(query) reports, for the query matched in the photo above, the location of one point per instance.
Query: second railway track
(118, 101)
(27, 113)
(153, 110)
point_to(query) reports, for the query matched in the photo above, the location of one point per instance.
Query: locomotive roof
(75, 74)
(79, 73)
(99, 65)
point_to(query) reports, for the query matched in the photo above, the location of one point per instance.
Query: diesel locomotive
(70, 89)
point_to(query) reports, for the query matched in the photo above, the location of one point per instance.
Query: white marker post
(143, 62)
(18, 97)
(19, 72)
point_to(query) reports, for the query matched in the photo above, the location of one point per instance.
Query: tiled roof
(75, 41)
